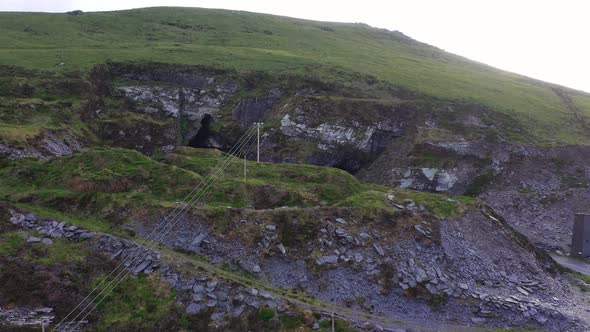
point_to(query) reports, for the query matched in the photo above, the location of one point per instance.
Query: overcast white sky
(548, 40)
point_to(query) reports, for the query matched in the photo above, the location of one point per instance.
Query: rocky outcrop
(539, 194)
(49, 228)
(48, 144)
(195, 99)
(26, 317)
(409, 265)
(178, 102)
(382, 135)
(430, 179)
(251, 110)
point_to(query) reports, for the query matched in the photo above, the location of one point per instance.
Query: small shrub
(266, 314)
(387, 275)
(290, 322)
(438, 301)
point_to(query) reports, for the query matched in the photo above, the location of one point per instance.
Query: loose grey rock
(117, 254)
(266, 295)
(198, 288)
(340, 232)
(212, 284)
(431, 288)
(141, 266)
(541, 319)
(199, 239)
(378, 249)
(254, 304)
(271, 228)
(33, 239)
(364, 236)
(420, 275)
(194, 308)
(47, 241)
(522, 291)
(30, 217)
(281, 248)
(172, 282)
(239, 310)
(222, 296)
(332, 259)
(478, 320)
(44, 310)
(218, 316)
(56, 233)
(198, 297)
(358, 257)
(87, 235)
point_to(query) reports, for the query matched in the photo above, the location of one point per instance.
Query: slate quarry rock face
(473, 259)
(54, 143)
(383, 135)
(191, 102)
(399, 267)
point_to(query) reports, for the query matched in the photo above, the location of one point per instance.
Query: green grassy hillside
(107, 182)
(331, 52)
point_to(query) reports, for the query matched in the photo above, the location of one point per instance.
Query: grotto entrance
(201, 139)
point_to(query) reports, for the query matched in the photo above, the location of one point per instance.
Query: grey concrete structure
(581, 235)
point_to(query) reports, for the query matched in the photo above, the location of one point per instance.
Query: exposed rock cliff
(403, 140)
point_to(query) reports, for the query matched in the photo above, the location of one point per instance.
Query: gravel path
(573, 264)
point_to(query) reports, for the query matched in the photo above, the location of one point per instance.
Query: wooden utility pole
(245, 164)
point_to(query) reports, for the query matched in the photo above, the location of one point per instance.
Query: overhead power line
(157, 234)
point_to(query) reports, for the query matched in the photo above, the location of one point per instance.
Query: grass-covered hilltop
(341, 53)
(399, 188)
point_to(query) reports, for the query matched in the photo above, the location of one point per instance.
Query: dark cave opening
(201, 139)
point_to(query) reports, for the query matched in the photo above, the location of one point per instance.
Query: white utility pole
(332, 321)
(258, 124)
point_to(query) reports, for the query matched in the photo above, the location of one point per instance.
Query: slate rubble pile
(503, 299)
(198, 292)
(497, 297)
(49, 228)
(434, 256)
(25, 316)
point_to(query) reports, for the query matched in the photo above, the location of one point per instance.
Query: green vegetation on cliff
(350, 54)
(97, 188)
